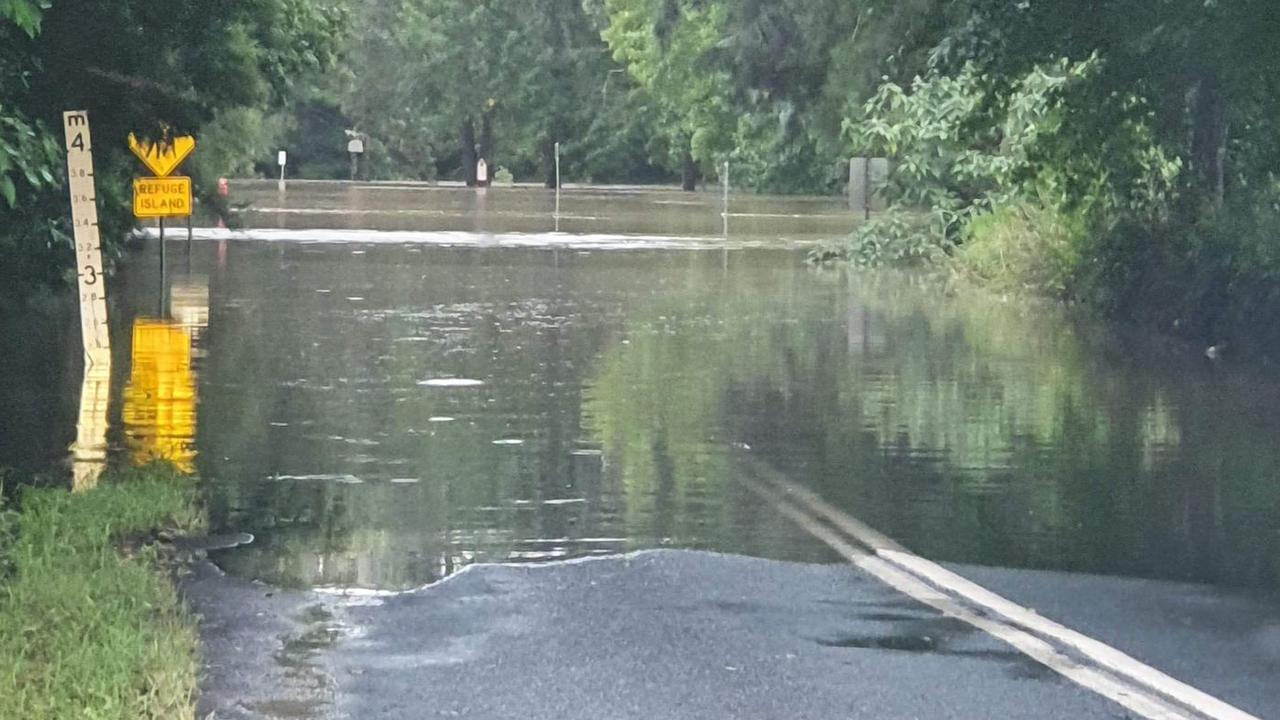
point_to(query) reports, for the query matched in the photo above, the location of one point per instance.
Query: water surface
(380, 414)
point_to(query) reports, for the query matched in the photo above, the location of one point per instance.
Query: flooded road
(381, 411)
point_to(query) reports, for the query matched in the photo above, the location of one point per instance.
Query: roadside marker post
(84, 217)
(282, 158)
(726, 198)
(355, 148)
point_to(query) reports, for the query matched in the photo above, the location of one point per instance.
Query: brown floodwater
(385, 383)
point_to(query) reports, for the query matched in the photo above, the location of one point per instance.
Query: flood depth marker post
(84, 218)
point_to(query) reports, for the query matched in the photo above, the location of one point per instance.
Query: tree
(1206, 71)
(674, 50)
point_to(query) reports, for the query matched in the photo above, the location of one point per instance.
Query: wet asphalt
(664, 634)
(1224, 644)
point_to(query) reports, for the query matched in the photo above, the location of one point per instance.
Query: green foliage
(672, 50)
(1200, 74)
(85, 631)
(28, 155)
(24, 14)
(1024, 245)
(234, 139)
(949, 151)
(898, 238)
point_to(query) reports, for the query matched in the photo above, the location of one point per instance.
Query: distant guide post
(482, 173)
(355, 148)
(558, 185)
(281, 159)
(867, 178)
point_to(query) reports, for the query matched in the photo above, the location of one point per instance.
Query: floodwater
(380, 410)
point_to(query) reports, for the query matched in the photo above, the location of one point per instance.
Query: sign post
(89, 451)
(355, 148)
(162, 196)
(282, 157)
(84, 214)
(725, 183)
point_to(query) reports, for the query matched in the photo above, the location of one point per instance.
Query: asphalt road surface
(667, 634)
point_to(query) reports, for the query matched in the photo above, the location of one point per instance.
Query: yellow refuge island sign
(161, 197)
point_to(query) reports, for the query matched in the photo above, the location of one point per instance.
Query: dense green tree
(1204, 72)
(437, 81)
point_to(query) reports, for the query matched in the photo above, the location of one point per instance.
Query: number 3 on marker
(92, 273)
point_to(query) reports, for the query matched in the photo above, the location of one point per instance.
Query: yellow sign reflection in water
(160, 399)
(89, 452)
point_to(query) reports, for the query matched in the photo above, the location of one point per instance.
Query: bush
(1024, 245)
(895, 238)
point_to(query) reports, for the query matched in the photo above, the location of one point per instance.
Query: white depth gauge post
(84, 217)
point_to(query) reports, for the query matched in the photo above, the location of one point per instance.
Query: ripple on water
(450, 383)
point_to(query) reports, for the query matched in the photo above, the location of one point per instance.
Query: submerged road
(682, 634)
(394, 382)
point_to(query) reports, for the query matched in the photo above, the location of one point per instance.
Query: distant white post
(558, 179)
(281, 158)
(725, 179)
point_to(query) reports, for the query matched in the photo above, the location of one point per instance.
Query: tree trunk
(467, 138)
(1209, 141)
(689, 174)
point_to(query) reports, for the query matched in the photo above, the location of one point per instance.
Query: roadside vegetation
(91, 626)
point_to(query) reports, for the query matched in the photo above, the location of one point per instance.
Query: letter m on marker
(76, 119)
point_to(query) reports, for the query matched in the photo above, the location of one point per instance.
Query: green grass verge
(88, 630)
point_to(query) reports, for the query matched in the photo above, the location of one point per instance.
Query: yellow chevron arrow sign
(162, 157)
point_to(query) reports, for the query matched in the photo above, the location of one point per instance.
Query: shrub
(895, 238)
(1024, 245)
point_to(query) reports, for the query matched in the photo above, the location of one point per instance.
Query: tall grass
(87, 631)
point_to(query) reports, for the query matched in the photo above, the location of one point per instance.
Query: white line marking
(1119, 677)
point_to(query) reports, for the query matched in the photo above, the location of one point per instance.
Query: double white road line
(1089, 663)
